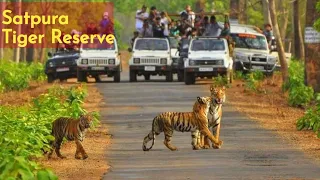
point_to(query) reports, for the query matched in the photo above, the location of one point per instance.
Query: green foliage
(26, 131)
(317, 22)
(252, 80)
(299, 93)
(16, 76)
(311, 120)
(220, 80)
(238, 75)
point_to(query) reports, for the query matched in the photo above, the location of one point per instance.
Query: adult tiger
(73, 130)
(184, 122)
(219, 97)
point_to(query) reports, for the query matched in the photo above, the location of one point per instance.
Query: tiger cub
(193, 122)
(73, 130)
(219, 97)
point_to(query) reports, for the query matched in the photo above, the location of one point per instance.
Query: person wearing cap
(141, 15)
(158, 28)
(165, 20)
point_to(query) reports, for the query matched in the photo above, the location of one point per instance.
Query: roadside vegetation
(26, 131)
(296, 93)
(17, 76)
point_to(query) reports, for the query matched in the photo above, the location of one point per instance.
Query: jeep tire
(132, 76)
(147, 77)
(180, 75)
(189, 78)
(116, 77)
(81, 76)
(169, 76)
(50, 78)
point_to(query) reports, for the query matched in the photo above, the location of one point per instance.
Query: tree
(312, 63)
(17, 6)
(299, 51)
(242, 13)
(234, 8)
(266, 12)
(281, 52)
(2, 8)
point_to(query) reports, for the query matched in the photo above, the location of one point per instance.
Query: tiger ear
(223, 88)
(211, 87)
(200, 100)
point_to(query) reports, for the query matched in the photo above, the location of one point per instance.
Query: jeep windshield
(97, 45)
(151, 45)
(250, 41)
(207, 45)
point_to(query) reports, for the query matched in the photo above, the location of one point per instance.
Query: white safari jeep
(99, 59)
(251, 51)
(150, 56)
(207, 57)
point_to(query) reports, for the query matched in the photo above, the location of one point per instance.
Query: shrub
(299, 93)
(26, 131)
(311, 120)
(220, 80)
(252, 80)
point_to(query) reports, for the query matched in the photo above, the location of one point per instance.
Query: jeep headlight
(163, 61)
(84, 61)
(136, 60)
(51, 64)
(192, 62)
(111, 61)
(219, 62)
(273, 59)
(241, 57)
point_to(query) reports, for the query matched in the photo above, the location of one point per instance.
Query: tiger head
(218, 94)
(86, 120)
(202, 104)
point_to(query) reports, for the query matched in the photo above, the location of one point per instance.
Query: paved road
(249, 152)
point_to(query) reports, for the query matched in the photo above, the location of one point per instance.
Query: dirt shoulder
(272, 112)
(95, 143)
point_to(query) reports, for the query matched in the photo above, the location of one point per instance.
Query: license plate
(63, 69)
(97, 68)
(258, 67)
(205, 69)
(149, 68)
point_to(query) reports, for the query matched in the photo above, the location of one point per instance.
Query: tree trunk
(281, 52)
(266, 12)
(284, 19)
(16, 54)
(30, 54)
(200, 4)
(242, 13)
(312, 51)
(234, 10)
(2, 8)
(297, 33)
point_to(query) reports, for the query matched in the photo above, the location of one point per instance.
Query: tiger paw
(196, 148)
(217, 146)
(85, 156)
(206, 147)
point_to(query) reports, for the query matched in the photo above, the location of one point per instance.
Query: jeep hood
(98, 54)
(151, 54)
(207, 55)
(251, 51)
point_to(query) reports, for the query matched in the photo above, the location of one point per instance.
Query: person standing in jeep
(158, 28)
(141, 16)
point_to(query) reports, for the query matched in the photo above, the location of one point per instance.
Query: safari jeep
(150, 56)
(251, 51)
(208, 57)
(99, 59)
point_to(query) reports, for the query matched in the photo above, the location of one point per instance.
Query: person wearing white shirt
(141, 15)
(165, 20)
(191, 15)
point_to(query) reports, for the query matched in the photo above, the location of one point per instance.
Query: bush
(26, 131)
(311, 120)
(220, 80)
(252, 80)
(16, 76)
(299, 93)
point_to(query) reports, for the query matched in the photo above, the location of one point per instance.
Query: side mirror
(49, 54)
(130, 49)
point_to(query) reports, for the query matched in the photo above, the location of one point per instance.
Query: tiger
(219, 97)
(192, 122)
(73, 130)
